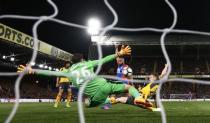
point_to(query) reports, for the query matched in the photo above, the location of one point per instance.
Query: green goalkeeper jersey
(82, 72)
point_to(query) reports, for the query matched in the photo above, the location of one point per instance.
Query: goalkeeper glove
(21, 68)
(124, 51)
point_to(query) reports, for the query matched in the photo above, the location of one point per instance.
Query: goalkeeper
(97, 89)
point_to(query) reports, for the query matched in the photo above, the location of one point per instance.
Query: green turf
(177, 112)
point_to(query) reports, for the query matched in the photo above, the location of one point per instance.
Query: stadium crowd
(45, 88)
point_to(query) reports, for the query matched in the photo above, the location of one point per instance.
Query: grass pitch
(177, 112)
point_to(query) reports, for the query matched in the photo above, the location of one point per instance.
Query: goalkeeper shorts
(104, 91)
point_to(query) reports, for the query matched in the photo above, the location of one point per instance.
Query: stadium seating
(41, 87)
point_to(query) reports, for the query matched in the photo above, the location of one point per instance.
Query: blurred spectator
(111, 71)
(1, 89)
(143, 70)
(197, 71)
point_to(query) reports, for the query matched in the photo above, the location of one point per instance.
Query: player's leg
(58, 97)
(130, 101)
(111, 88)
(69, 96)
(155, 101)
(100, 97)
(139, 100)
(114, 100)
(104, 91)
(122, 88)
(107, 104)
(111, 100)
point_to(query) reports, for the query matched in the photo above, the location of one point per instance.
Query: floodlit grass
(177, 112)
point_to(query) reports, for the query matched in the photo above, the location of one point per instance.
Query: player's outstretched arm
(124, 51)
(164, 71)
(49, 73)
(21, 68)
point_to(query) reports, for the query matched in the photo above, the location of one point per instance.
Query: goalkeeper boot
(106, 106)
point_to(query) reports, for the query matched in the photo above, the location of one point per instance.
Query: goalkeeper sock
(133, 92)
(107, 101)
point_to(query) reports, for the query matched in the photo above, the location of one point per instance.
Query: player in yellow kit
(64, 84)
(149, 91)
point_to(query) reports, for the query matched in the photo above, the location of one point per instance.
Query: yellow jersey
(63, 79)
(149, 90)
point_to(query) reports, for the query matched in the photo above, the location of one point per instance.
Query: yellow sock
(58, 99)
(69, 98)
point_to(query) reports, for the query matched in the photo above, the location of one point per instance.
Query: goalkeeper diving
(97, 89)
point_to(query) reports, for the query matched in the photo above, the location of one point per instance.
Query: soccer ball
(127, 71)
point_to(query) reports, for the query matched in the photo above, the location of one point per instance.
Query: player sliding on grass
(97, 89)
(149, 91)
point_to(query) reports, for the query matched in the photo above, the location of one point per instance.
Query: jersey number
(81, 75)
